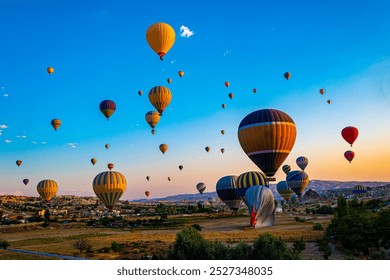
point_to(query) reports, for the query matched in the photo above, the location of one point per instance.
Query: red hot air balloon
(349, 155)
(350, 134)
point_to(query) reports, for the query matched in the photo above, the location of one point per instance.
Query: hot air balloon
(322, 91)
(109, 187)
(286, 168)
(93, 160)
(349, 155)
(19, 162)
(302, 162)
(261, 206)
(50, 70)
(297, 181)
(163, 148)
(25, 181)
(222, 150)
(152, 118)
(350, 134)
(223, 106)
(201, 187)
(107, 146)
(160, 97)
(359, 191)
(181, 167)
(287, 75)
(47, 189)
(254, 90)
(267, 137)
(227, 84)
(160, 37)
(181, 73)
(169, 179)
(107, 107)
(227, 192)
(110, 166)
(249, 179)
(55, 123)
(207, 149)
(328, 101)
(147, 193)
(231, 95)
(211, 200)
(284, 190)
(140, 92)
(169, 80)
(148, 178)
(223, 132)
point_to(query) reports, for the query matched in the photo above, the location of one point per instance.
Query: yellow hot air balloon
(163, 148)
(328, 101)
(160, 37)
(181, 73)
(55, 123)
(109, 186)
(207, 149)
(169, 179)
(93, 160)
(169, 80)
(18, 162)
(223, 132)
(160, 97)
(152, 118)
(110, 166)
(140, 92)
(107, 146)
(47, 189)
(50, 70)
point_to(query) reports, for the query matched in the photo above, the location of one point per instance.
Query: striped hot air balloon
(267, 137)
(249, 179)
(359, 191)
(211, 200)
(55, 123)
(152, 118)
(109, 186)
(160, 97)
(160, 37)
(47, 189)
(286, 168)
(297, 181)
(302, 162)
(201, 187)
(284, 190)
(227, 192)
(261, 206)
(107, 107)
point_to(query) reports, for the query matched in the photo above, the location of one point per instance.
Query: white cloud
(72, 145)
(226, 53)
(0, 132)
(5, 94)
(3, 126)
(186, 32)
(21, 136)
(34, 142)
(173, 61)
(7, 141)
(43, 143)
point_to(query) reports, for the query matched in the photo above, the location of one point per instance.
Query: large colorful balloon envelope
(286, 168)
(109, 186)
(227, 192)
(267, 137)
(302, 162)
(163, 148)
(284, 190)
(152, 118)
(350, 134)
(297, 181)
(107, 107)
(349, 155)
(249, 179)
(160, 97)
(201, 187)
(55, 123)
(160, 37)
(25, 181)
(47, 189)
(261, 206)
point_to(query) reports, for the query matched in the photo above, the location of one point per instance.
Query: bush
(269, 247)
(324, 247)
(318, 226)
(4, 244)
(117, 247)
(299, 219)
(82, 245)
(197, 227)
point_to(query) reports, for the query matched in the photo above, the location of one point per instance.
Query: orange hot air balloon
(181, 167)
(163, 148)
(223, 106)
(148, 178)
(350, 134)
(160, 37)
(222, 150)
(349, 155)
(207, 149)
(267, 137)
(47, 189)
(50, 70)
(223, 132)
(169, 80)
(160, 97)
(328, 101)
(140, 92)
(110, 166)
(55, 123)
(152, 118)
(322, 91)
(181, 73)
(109, 186)
(147, 193)
(93, 160)
(231, 95)
(169, 179)
(19, 162)
(107, 146)
(227, 84)
(254, 90)
(287, 75)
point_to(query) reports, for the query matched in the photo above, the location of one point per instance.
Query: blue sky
(99, 51)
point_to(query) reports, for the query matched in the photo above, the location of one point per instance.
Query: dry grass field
(58, 238)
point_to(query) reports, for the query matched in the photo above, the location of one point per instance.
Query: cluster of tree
(323, 210)
(191, 245)
(360, 227)
(4, 244)
(118, 222)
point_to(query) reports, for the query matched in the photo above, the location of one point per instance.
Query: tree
(269, 247)
(4, 244)
(82, 245)
(47, 215)
(324, 247)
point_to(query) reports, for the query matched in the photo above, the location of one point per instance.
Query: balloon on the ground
(160, 37)
(302, 162)
(47, 189)
(211, 200)
(297, 181)
(261, 206)
(109, 186)
(359, 191)
(227, 192)
(284, 190)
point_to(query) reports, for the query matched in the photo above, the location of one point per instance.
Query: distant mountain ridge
(319, 186)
